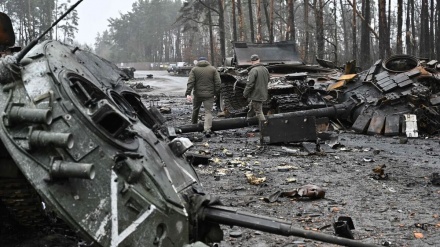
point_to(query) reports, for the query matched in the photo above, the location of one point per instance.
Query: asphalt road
(162, 83)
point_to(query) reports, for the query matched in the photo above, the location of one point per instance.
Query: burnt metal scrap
(129, 72)
(391, 96)
(98, 159)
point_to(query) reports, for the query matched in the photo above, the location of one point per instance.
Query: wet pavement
(397, 208)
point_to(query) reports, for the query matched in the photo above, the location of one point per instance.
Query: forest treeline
(165, 31)
(30, 18)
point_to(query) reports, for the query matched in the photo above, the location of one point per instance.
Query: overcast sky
(93, 15)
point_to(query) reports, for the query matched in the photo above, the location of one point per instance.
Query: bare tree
(291, 21)
(241, 27)
(399, 27)
(221, 26)
(234, 21)
(306, 24)
(437, 31)
(365, 33)
(424, 29)
(431, 26)
(318, 6)
(382, 29)
(354, 31)
(251, 20)
(259, 34)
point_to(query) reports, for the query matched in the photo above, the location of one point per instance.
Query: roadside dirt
(400, 210)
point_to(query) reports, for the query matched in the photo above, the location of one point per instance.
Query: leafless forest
(166, 31)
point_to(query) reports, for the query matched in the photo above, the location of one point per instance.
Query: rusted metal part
(376, 125)
(392, 125)
(289, 129)
(343, 227)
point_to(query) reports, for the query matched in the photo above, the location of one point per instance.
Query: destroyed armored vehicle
(77, 143)
(399, 95)
(129, 71)
(293, 85)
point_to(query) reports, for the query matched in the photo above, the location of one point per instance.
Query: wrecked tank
(293, 85)
(77, 143)
(397, 95)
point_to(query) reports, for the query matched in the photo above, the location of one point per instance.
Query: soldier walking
(256, 88)
(204, 79)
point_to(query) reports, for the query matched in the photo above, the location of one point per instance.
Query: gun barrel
(240, 122)
(228, 216)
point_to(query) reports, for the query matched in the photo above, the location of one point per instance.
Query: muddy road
(400, 207)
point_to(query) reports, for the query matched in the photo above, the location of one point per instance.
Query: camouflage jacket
(204, 79)
(256, 85)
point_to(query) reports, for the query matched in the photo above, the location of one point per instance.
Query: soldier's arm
(191, 82)
(250, 84)
(217, 82)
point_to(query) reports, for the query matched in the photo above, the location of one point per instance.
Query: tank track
(285, 102)
(233, 100)
(22, 202)
(21, 205)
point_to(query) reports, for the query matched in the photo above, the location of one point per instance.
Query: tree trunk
(399, 27)
(319, 22)
(437, 31)
(211, 37)
(306, 24)
(290, 21)
(271, 24)
(266, 15)
(241, 27)
(389, 30)
(408, 35)
(413, 29)
(365, 32)
(382, 29)
(424, 30)
(344, 30)
(221, 26)
(251, 20)
(178, 43)
(234, 22)
(259, 35)
(354, 32)
(431, 28)
(167, 45)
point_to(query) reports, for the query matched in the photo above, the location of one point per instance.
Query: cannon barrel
(232, 217)
(240, 122)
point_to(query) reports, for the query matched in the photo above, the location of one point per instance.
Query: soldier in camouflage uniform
(204, 79)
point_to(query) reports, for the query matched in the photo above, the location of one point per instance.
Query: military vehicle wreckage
(398, 95)
(96, 156)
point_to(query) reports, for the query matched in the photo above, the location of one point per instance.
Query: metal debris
(435, 179)
(379, 172)
(343, 227)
